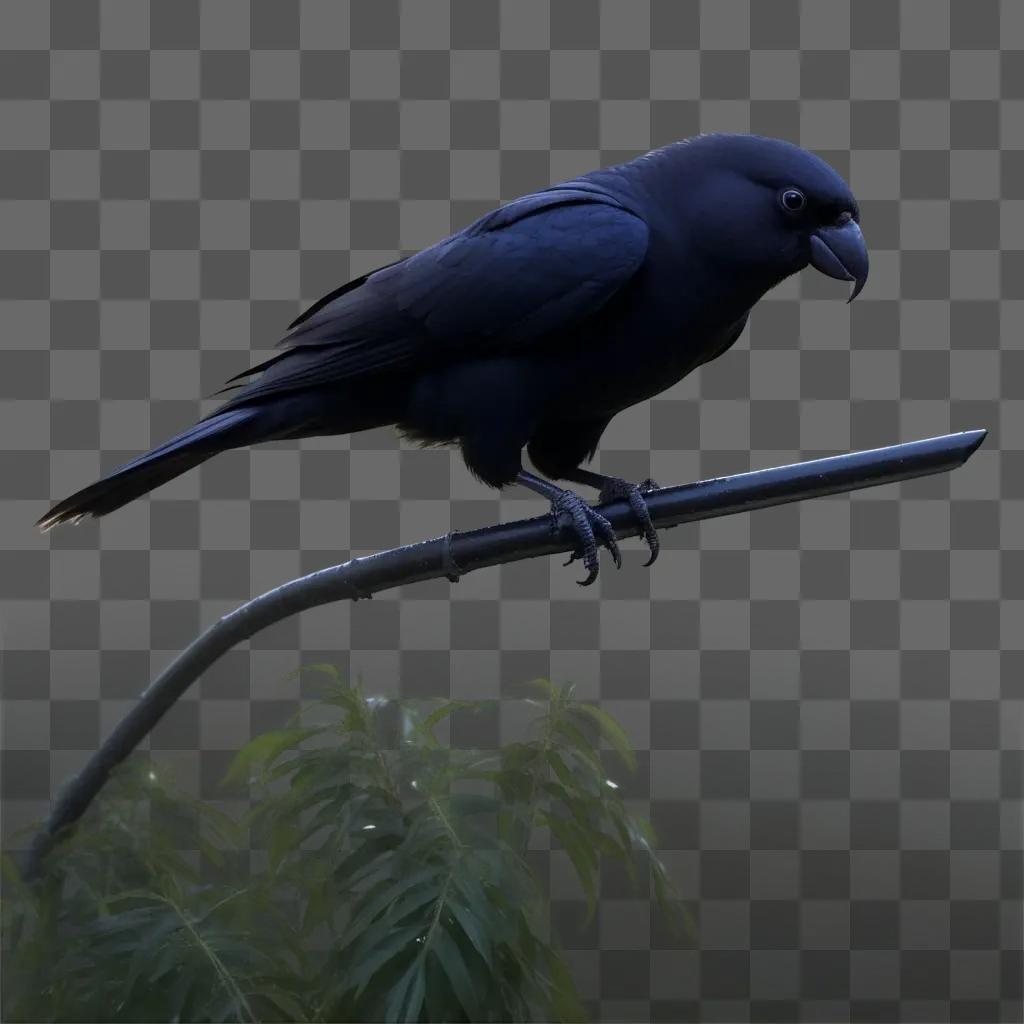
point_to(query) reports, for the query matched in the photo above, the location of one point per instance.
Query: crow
(536, 324)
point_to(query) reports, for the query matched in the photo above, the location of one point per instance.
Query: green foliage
(397, 886)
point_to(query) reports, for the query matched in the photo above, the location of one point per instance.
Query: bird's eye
(793, 199)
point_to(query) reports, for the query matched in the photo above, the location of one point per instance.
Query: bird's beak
(840, 252)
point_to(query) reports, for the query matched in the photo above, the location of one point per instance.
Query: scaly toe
(607, 531)
(584, 520)
(643, 513)
(633, 493)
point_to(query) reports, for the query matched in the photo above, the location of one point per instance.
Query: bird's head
(770, 208)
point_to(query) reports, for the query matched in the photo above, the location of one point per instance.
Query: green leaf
(544, 684)
(414, 999)
(449, 956)
(582, 855)
(449, 707)
(211, 852)
(323, 667)
(396, 942)
(643, 827)
(387, 897)
(353, 940)
(469, 884)
(565, 1001)
(284, 839)
(611, 730)
(266, 748)
(467, 804)
(472, 926)
(318, 911)
(580, 745)
(407, 996)
(440, 1002)
(562, 770)
(364, 866)
(289, 1002)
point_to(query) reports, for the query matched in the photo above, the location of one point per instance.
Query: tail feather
(230, 429)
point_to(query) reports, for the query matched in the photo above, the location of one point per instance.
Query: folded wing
(513, 279)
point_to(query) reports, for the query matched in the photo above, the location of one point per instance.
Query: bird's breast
(642, 344)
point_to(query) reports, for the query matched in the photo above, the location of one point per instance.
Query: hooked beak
(840, 252)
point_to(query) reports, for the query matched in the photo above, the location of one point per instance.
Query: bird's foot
(615, 487)
(589, 525)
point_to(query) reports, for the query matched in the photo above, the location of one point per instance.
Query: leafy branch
(397, 886)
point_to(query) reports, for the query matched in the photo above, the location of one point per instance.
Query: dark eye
(793, 200)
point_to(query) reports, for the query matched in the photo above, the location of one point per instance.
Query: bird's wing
(330, 297)
(519, 274)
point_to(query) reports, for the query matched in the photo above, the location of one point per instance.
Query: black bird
(533, 326)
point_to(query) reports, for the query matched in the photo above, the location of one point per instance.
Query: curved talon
(608, 535)
(641, 511)
(588, 523)
(633, 493)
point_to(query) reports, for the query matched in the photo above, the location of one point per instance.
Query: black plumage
(532, 327)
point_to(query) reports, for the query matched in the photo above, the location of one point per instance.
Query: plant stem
(531, 806)
(449, 828)
(223, 974)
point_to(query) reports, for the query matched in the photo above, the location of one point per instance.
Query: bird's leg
(588, 522)
(612, 487)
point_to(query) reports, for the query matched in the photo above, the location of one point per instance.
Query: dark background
(827, 698)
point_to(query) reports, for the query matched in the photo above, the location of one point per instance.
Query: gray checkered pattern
(828, 698)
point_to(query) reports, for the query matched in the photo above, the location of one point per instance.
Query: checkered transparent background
(827, 698)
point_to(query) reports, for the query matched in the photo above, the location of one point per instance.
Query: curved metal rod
(477, 549)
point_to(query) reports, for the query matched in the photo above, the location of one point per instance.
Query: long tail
(217, 433)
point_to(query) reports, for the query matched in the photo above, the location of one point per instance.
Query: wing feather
(522, 273)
